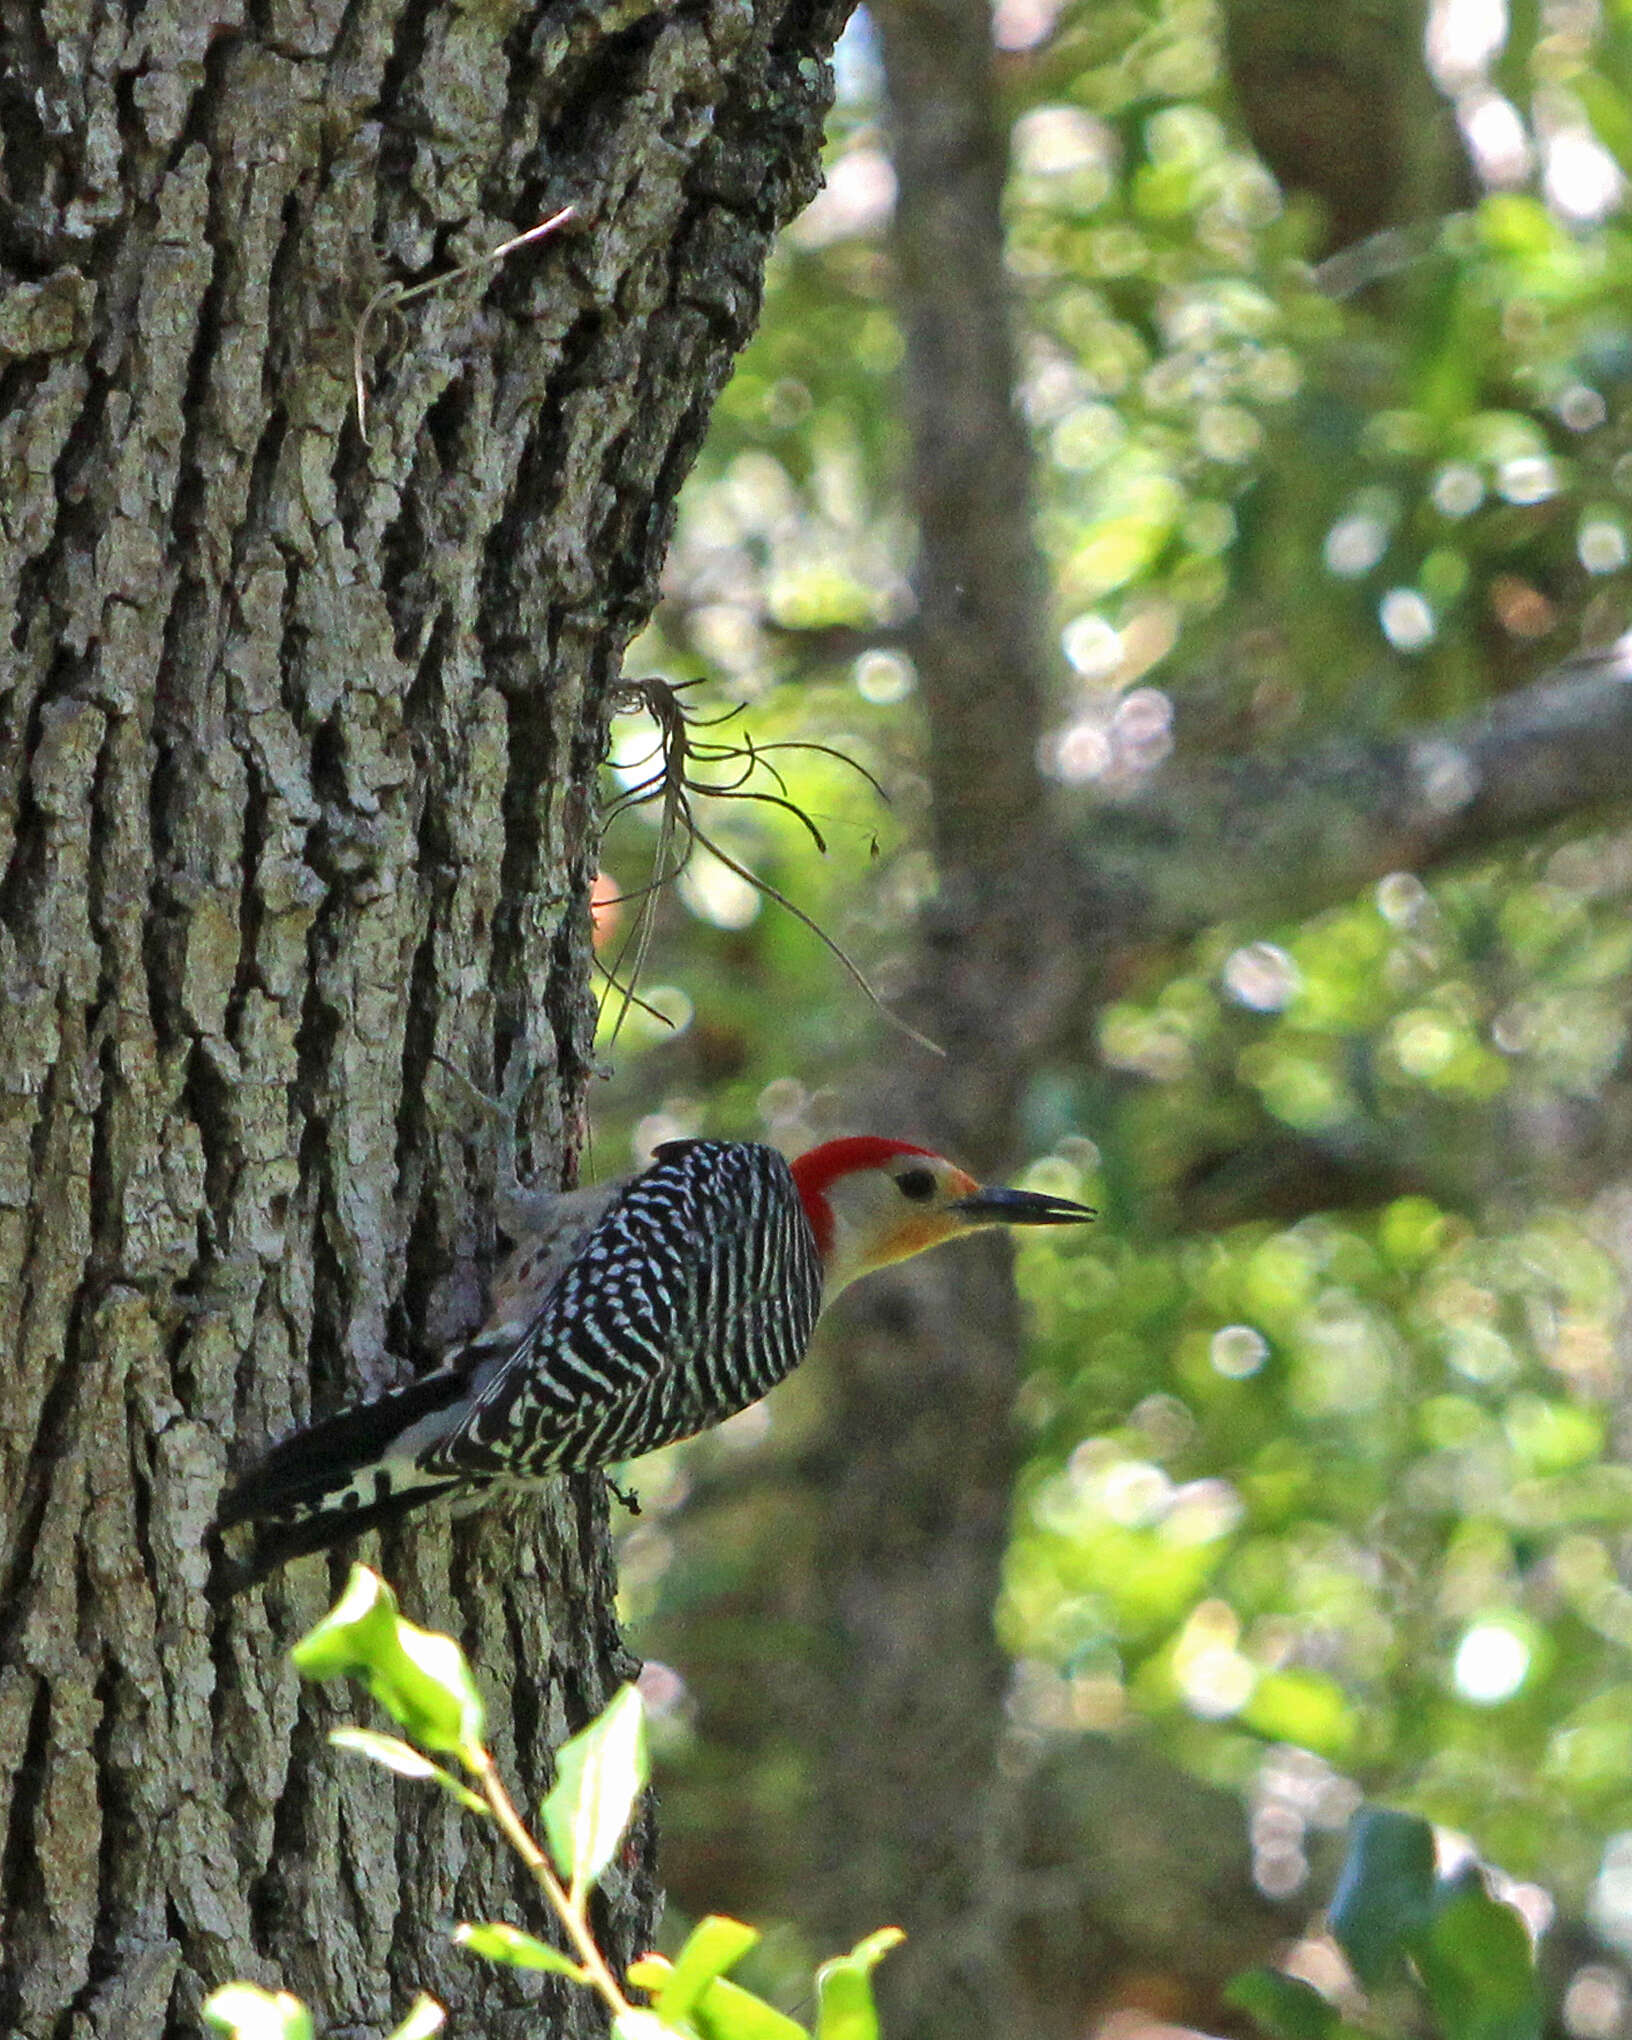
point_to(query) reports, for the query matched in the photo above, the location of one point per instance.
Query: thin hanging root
(392, 296)
(669, 781)
(625, 989)
(676, 754)
(764, 885)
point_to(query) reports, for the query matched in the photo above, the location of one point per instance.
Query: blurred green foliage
(1446, 1945)
(1341, 1478)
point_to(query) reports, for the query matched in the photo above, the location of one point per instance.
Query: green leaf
(1285, 2006)
(1478, 1966)
(509, 1945)
(599, 1775)
(1385, 1892)
(358, 1627)
(726, 2011)
(844, 1989)
(250, 2013)
(712, 1946)
(406, 1761)
(425, 2017)
(421, 1679)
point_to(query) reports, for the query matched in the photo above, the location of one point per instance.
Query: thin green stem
(515, 1832)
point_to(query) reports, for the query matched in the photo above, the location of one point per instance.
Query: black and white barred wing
(695, 1293)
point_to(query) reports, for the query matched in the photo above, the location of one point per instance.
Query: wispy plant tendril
(672, 779)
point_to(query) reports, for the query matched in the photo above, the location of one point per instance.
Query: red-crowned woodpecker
(643, 1311)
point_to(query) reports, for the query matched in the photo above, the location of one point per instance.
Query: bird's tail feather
(348, 1473)
(274, 1543)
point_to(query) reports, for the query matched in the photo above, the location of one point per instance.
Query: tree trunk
(918, 1458)
(300, 737)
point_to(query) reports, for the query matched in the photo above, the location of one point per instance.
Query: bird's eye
(918, 1184)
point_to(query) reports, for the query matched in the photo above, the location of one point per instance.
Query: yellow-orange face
(891, 1212)
(875, 1202)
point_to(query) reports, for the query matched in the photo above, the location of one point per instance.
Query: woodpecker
(642, 1311)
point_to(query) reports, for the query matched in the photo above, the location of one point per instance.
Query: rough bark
(297, 799)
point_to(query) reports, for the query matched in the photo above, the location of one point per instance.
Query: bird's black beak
(1020, 1207)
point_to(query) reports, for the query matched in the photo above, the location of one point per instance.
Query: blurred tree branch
(1266, 839)
(1340, 105)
